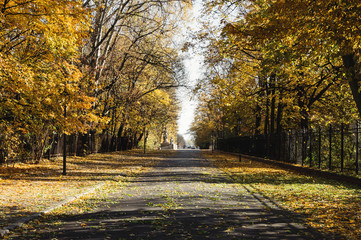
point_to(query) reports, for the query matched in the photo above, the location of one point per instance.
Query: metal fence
(84, 144)
(335, 148)
(77, 145)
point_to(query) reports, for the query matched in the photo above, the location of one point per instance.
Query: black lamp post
(64, 145)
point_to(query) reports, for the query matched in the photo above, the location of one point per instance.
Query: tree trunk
(279, 117)
(258, 119)
(266, 119)
(354, 78)
(140, 137)
(273, 103)
(120, 130)
(272, 115)
(304, 119)
(279, 112)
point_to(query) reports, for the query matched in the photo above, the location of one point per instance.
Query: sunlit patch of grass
(325, 204)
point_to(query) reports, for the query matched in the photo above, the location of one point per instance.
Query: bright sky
(186, 115)
(193, 67)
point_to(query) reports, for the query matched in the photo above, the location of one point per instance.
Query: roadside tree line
(278, 65)
(80, 67)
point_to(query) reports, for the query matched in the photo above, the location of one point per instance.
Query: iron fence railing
(78, 145)
(335, 148)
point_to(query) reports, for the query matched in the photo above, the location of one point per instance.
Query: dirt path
(182, 198)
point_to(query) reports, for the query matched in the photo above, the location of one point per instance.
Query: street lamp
(64, 143)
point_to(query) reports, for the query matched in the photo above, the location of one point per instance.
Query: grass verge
(330, 206)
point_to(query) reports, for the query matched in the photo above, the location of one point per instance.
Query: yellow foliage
(39, 47)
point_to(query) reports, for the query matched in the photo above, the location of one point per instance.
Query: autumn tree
(327, 28)
(129, 56)
(295, 61)
(39, 49)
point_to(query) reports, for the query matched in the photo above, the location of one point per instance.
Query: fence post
(310, 150)
(296, 136)
(107, 142)
(279, 146)
(319, 146)
(303, 152)
(289, 145)
(330, 149)
(357, 147)
(64, 146)
(75, 144)
(342, 150)
(267, 145)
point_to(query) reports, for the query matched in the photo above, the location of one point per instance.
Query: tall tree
(39, 43)
(129, 56)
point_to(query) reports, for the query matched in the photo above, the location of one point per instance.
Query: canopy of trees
(276, 65)
(78, 66)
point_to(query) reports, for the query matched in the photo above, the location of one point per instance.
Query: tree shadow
(189, 223)
(188, 217)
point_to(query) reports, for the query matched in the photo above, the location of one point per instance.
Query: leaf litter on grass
(327, 205)
(27, 188)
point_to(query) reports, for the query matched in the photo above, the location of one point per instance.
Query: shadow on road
(184, 197)
(197, 223)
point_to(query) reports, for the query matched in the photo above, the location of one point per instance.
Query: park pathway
(184, 197)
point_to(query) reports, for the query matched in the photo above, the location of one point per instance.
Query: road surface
(183, 197)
